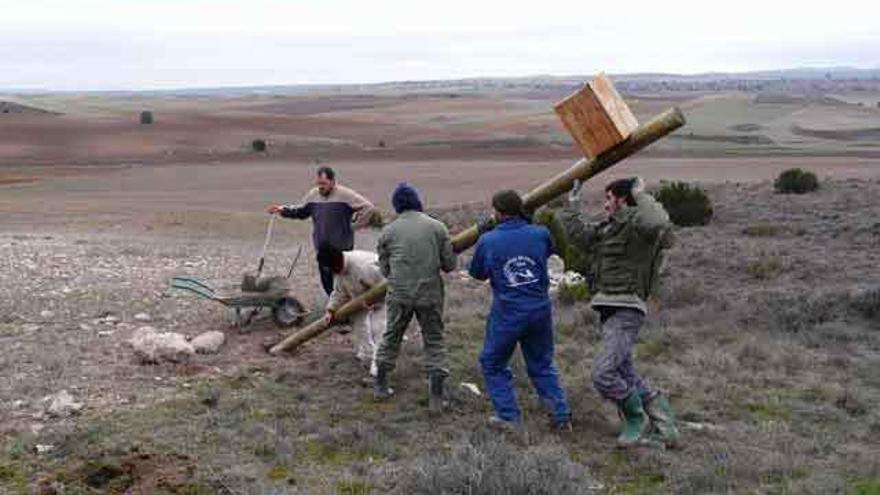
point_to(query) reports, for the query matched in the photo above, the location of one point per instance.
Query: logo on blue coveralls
(521, 270)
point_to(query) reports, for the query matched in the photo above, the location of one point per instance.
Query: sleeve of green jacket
(384, 254)
(448, 258)
(650, 219)
(579, 232)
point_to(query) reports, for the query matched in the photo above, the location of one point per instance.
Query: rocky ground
(765, 335)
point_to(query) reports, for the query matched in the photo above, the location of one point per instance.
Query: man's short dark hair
(508, 202)
(327, 172)
(622, 188)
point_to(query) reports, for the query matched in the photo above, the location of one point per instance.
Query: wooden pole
(583, 170)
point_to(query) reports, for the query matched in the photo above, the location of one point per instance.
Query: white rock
(46, 314)
(43, 449)
(105, 333)
(85, 327)
(566, 278)
(152, 346)
(111, 320)
(555, 266)
(689, 425)
(142, 317)
(62, 405)
(31, 327)
(208, 342)
(472, 388)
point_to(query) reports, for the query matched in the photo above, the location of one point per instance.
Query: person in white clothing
(355, 272)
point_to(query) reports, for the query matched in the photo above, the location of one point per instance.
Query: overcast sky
(118, 44)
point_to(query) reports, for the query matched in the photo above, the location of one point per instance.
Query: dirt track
(152, 197)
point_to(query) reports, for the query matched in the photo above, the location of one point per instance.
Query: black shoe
(435, 392)
(381, 390)
(562, 427)
(505, 426)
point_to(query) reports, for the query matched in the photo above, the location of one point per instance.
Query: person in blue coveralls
(513, 257)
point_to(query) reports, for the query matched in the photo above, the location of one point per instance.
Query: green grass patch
(766, 268)
(769, 411)
(650, 348)
(867, 487)
(330, 455)
(353, 487)
(12, 478)
(762, 230)
(643, 483)
(278, 473)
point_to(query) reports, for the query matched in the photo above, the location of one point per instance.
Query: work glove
(638, 186)
(574, 196)
(484, 222)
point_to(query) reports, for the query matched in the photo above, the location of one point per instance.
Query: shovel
(251, 282)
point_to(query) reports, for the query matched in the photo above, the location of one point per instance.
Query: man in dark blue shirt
(514, 258)
(334, 210)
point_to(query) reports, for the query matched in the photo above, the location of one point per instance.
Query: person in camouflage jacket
(626, 251)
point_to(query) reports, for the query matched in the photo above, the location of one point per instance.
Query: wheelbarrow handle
(193, 285)
(266, 244)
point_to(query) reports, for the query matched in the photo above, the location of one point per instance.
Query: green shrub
(867, 302)
(259, 145)
(687, 205)
(146, 117)
(376, 221)
(576, 259)
(570, 293)
(796, 181)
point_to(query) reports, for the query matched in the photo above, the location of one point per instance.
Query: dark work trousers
(614, 374)
(326, 277)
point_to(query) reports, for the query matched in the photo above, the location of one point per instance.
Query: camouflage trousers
(614, 375)
(430, 318)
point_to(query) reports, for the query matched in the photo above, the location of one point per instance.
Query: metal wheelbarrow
(255, 293)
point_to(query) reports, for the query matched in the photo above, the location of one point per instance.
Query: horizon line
(317, 85)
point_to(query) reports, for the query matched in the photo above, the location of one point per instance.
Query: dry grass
(775, 375)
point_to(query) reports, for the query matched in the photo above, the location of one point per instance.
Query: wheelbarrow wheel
(288, 313)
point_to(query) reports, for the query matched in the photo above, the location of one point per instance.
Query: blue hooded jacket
(513, 257)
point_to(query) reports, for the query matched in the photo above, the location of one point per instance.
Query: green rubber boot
(663, 418)
(635, 421)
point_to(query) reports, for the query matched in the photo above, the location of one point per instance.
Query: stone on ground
(62, 405)
(208, 342)
(152, 347)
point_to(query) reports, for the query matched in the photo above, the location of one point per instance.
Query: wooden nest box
(596, 116)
